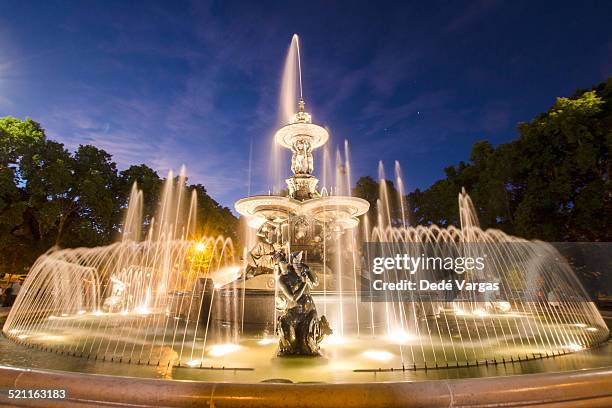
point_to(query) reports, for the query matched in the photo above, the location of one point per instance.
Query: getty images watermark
(526, 271)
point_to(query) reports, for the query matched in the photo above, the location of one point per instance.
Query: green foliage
(551, 183)
(370, 190)
(148, 182)
(49, 196)
(213, 219)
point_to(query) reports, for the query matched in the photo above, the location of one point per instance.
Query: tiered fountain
(187, 307)
(302, 221)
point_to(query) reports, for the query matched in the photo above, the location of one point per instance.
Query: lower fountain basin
(583, 378)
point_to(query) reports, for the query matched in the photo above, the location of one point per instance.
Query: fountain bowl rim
(589, 386)
(286, 134)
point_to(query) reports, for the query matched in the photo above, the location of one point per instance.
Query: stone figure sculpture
(260, 259)
(299, 327)
(301, 158)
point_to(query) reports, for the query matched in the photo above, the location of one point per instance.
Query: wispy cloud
(474, 11)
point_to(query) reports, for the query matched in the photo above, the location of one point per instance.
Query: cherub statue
(260, 259)
(299, 328)
(301, 158)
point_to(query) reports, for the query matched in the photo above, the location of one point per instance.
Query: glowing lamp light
(334, 339)
(98, 313)
(575, 347)
(480, 312)
(503, 306)
(199, 247)
(378, 355)
(22, 336)
(399, 336)
(142, 310)
(193, 363)
(52, 317)
(591, 329)
(266, 341)
(458, 311)
(218, 285)
(64, 314)
(580, 325)
(219, 350)
(124, 313)
(81, 312)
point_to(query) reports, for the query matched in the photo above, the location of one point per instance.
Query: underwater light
(378, 355)
(459, 311)
(219, 350)
(480, 312)
(142, 310)
(399, 336)
(193, 363)
(334, 339)
(503, 306)
(575, 347)
(266, 341)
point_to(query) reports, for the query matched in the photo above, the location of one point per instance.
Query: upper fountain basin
(286, 135)
(342, 209)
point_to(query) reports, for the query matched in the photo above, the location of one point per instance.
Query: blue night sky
(194, 83)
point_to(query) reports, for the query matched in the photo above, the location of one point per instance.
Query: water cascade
(162, 295)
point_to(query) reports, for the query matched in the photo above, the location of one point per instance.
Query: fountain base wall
(573, 388)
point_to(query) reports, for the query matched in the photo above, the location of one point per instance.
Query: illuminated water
(165, 301)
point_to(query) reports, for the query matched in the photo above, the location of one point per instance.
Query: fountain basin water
(570, 379)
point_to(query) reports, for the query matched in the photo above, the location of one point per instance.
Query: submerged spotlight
(399, 336)
(142, 310)
(378, 355)
(219, 350)
(193, 363)
(266, 341)
(334, 339)
(575, 347)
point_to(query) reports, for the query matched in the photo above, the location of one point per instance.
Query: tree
(380, 200)
(149, 182)
(16, 139)
(551, 183)
(49, 196)
(212, 218)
